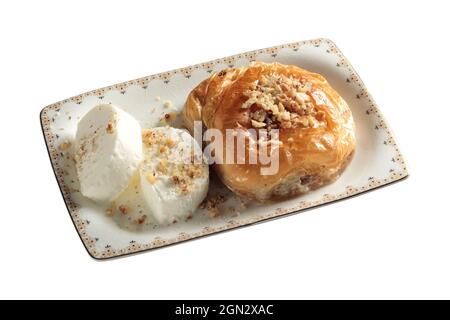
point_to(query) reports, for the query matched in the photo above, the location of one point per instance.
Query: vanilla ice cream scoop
(108, 151)
(174, 177)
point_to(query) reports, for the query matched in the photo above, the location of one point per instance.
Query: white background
(390, 243)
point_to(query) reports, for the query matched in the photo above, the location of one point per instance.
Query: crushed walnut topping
(170, 143)
(176, 179)
(277, 101)
(124, 209)
(184, 174)
(150, 137)
(211, 204)
(142, 219)
(194, 171)
(163, 166)
(87, 145)
(180, 165)
(111, 126)
(181, 183)
(64, 146)
(162, 149)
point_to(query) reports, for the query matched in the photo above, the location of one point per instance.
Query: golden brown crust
(312, 153)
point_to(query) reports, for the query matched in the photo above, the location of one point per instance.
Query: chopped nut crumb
(150, 137)
(176, 179)
(162, 149)
(162, 166)
(184, 189)
(151, 178)
(213, 212)
(64, 146)
(124, 209)
(142, 219)
(109, 211)
(167, 104)
(169, 117)
(110, 128)
(170, 143)
(211, 204)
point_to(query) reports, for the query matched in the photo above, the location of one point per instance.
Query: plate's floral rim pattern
(133, 247)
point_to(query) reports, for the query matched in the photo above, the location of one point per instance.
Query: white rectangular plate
(377, 161)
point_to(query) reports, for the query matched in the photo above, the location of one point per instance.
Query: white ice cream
(172, 183)
(108, 151)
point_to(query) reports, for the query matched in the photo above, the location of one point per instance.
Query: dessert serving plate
(107, 234)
